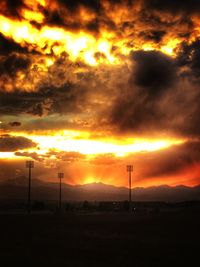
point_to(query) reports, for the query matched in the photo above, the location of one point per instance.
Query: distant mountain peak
(95, 186)
(98, 191)
(23, 181)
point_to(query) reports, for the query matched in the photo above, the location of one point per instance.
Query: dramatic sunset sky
(87, 87)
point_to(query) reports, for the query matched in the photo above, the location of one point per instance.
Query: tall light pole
(29, 166)
(60, 177)
(0, 128)
(129, 169)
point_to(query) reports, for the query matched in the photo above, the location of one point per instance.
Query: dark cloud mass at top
(94, 5)
(11, 7)
(152, 85)
(174, 6)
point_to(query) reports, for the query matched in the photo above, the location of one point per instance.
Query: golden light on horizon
(90, 180)
(77, 141)
(8, 155)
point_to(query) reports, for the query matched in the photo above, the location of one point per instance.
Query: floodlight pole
(1, 129)
(130, 170)
(29, 165)
(60, 198)
(130, 190)
(60, 177)
(29, 190)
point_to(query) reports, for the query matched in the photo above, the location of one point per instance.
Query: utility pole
(60, 177)
(129, 169)
(29, 166)
(1, 130)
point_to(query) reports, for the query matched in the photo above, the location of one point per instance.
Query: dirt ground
(99, 239)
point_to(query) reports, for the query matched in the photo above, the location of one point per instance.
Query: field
(99, 239)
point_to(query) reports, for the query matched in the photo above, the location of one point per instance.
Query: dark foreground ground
(100, 239)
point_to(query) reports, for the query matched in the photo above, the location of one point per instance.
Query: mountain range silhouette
(41, 190)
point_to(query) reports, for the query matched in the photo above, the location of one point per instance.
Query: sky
(87, 87)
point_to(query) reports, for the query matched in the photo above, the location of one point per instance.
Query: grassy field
(101, 239)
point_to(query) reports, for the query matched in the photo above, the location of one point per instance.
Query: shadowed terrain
(17, 189)
(100, 239)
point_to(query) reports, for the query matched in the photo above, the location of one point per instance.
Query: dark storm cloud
(68, 99)
(54, 18)
(94, 5)
(54, 91)
(49, 98)
(11, 7)
(8, 46)
(67, 88)
(162, 95)
(38, 103)
(153, 98)
(174, 6)
(69, 157)
(21, 103)
(189, 56)
(137, 16)
(10, 143)
(15, 123)
(172, 160)
(138, 20)
(150, 97)
(154, 35)
(153, 71)
(68, 15)
(33, 155)
(138, 107)
(13, 63)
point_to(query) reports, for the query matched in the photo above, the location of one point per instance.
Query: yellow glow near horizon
(8, 155)
(88, 147)
(90, 180)
(70, 141)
